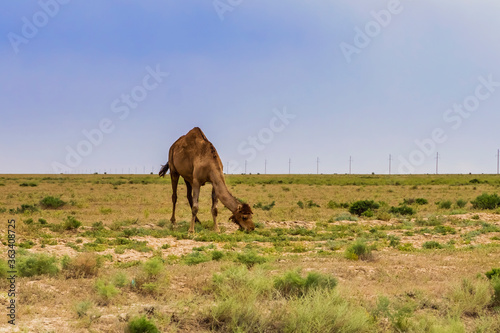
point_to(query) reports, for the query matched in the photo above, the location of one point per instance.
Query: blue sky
(109, 86)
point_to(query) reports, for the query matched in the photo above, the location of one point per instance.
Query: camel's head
(243, 217)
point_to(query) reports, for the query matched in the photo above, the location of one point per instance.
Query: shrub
(421, 201)
(217, 255)
(250, 258)
(142, 325)
(361, 206)
(51, 202)
(445, 204)
(332, 204)
(292, 284)
(82, 308)
(153, 267)
(486, 201)
(311, 204)
(402, 210)
(471, 298)
(461, 203)
(27, 244)
(432, 245)
(24, 208)
(264, 207)
(120, 279)
(37, 264)
(300, 204)
(495, 272)
(71, 223)
(358, 251)
(31, 184)
(324, 310)
(84, 265)
(195, 258)
(105, 292)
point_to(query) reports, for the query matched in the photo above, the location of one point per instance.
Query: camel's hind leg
(175, 179)
(214, 210)
(194, 209)
(190, 197)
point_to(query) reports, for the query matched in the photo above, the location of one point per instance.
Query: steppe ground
(100, 254)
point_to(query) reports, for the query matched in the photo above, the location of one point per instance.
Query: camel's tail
(163, 171)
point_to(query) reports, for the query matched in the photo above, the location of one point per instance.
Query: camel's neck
(223, 193)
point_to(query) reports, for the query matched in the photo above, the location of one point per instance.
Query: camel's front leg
(194, 209)
(214, 210)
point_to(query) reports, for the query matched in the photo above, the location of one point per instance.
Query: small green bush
(37, 264)
(432, 245)
(51, 202)
(421, 201)
(461, 203)
(106, 291)
(120, 279)
(195, 258)
(250, 258)
(486, 201)
(217, 255)
(495, 282)
(142, 325)
(402, 210)
(495, 272)
(71, 223)
(82, 308)
(361, 206)
(153, 267)
(292, 284)
(359, 250)
(25, 208)
(446, 204)
(31, 184)
(263, 206)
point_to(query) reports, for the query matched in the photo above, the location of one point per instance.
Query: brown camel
(194, 158)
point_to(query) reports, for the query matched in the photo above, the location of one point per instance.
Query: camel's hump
(197, 132)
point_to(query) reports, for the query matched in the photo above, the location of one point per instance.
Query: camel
(194, 158)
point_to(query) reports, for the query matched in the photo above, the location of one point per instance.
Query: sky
(342, 86)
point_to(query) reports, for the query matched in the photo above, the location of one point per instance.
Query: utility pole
(437, 163)
(350, 164)
(289, 165)
(390, 161)
(498, 161)
(265, 166)
(245, 167)
(317, 166)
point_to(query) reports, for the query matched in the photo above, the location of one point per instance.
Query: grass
(113, 250)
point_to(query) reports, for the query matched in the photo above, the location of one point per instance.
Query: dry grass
(401, 287)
